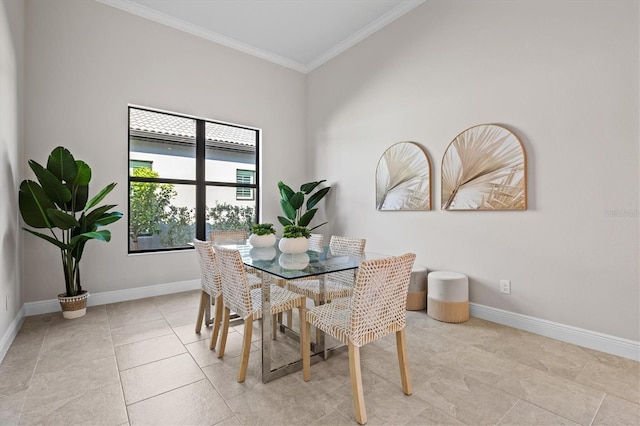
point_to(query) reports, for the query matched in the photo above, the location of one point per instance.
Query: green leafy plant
(262, 229)
(60, 202)
(292, 203)
(296, 231)
(228, 217)
(148, 204)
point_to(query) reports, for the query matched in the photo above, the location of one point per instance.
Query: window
(137, 164)
(187, 177)
(244, 177)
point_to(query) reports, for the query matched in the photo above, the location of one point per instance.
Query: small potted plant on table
(262, 235)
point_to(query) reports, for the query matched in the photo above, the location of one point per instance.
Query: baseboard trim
(578, 336)
(96, 299)
(11, 333)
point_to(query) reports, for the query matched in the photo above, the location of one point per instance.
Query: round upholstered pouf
(448, 296)
(417, 293)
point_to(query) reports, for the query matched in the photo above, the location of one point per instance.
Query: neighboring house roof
(169, 127)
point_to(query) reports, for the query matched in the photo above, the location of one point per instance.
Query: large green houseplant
(298, 214)
(60, 202)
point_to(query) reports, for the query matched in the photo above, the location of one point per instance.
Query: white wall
(11, 125)
(563, 75)
(85, 62)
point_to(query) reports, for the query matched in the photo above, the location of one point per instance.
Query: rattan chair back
(346, 247)
(237, 236)
(235, 286)
(315, 242)
(209, 274)
(379, 298)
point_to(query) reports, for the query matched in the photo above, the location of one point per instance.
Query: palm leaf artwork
(403, 178)
(484, 168)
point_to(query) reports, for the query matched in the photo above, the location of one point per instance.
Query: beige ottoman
(417, 293)
(448, 296)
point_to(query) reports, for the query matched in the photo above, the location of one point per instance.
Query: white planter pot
(294, 261)
(294, 245)
(262, 240)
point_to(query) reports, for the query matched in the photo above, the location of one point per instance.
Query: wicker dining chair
(247, 303)
(337, 284)
(376, 309)
(212, 287)
(236, 236)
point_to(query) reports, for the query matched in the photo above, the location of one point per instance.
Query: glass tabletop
(290, 266)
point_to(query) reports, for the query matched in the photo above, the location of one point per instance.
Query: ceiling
(299, 34)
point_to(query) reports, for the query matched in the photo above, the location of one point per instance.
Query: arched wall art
(484, 168)
(403, 178)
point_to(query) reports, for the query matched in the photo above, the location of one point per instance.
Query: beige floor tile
(194, 404)
(333, 419)
(432, 416)
(101, 406)
(617, 412)
(484, 366)
(133, 314)
(461, 396)
(146, 351)
(182, 317)
(187, 334)
(11, 407)
(16, 370)
(613, 375)
(284, 401)
(526, 414)
(178, 301)
(201, 353)
(562, 396)
(70, 383)
(224, 376)
(138, 332)
(152, 379)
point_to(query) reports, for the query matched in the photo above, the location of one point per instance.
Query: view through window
(188, 176)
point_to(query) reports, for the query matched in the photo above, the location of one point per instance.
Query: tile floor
(140, 362)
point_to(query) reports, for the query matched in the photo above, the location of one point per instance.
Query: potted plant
(262, 235)
(60, 202)
(295, 239)
(292, 204)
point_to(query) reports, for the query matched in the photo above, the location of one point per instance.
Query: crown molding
(162, 18)
(387, 18)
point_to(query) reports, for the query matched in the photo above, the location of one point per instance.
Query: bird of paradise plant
(60, 202)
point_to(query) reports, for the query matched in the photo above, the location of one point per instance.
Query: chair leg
(216, 322)
(204, 298)
(305, 341)
(405, 375)
(356, 384)
(246, 348)
(225, 331)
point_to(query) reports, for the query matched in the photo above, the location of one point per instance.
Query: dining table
(273, 265)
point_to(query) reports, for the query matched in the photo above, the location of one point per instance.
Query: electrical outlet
(505, 286)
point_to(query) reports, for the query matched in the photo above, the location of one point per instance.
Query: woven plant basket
(74, 306)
